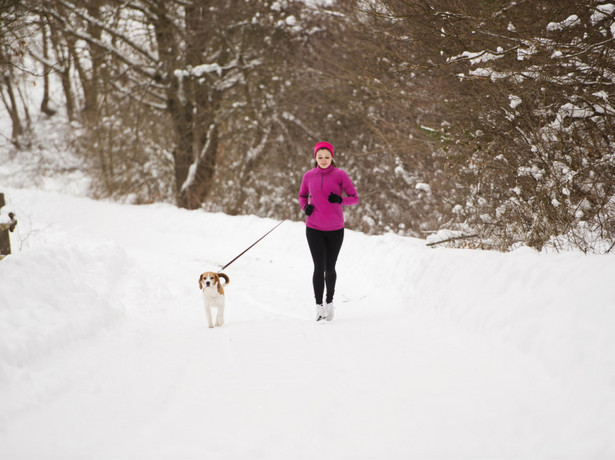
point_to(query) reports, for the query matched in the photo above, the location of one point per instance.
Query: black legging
(325, 247)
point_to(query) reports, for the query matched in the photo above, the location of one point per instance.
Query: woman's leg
(333, 244)
(316, 242)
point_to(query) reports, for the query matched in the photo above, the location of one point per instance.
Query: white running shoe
(321, 312)
(330, 311)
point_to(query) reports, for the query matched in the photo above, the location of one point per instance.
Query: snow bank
(557, 307)
(434, 353)
(52, 297)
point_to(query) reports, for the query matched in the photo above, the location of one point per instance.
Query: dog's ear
(226, 278)
(219, 284)
(201, 282)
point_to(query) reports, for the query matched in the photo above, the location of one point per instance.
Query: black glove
(333, 198)
(309, 209)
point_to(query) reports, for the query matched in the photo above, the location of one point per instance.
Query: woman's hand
(333, 198)
(309, 209)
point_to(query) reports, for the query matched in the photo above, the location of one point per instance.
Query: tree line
(486, 123)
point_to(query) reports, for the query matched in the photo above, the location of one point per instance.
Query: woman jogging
(324, 190)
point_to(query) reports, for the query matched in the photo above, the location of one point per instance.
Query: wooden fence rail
(6, 225)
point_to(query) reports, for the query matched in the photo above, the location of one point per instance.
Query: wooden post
(5, 242)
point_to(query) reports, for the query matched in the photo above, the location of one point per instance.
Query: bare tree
(193, 62)
(11, 51)
(525, 154)
(483, 118)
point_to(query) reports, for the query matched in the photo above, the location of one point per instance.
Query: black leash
(253, 244)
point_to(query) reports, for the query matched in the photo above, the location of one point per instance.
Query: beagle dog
(213, 295)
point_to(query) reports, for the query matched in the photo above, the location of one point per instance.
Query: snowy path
(388, 378)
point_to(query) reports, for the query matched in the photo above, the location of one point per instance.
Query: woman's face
(324, 158)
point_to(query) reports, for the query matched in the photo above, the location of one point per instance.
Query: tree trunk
(198, 181)
(45, 108)
(11, 106)
(64, 59)
(192, 105)
(93, 86)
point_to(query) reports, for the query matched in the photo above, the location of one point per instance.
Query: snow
(434, 353)
(476, 58)
(571, 21)
(422, 186)
(515, 101)
(602, 12)
(493, 75)
(569, 110)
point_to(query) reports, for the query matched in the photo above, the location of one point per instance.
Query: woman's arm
(351, 197)
(304, 194)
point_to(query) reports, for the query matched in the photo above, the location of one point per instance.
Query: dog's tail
(226, 278)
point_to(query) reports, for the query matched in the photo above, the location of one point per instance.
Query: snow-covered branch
(111, 31)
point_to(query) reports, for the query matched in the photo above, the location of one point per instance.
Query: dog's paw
(211, 326)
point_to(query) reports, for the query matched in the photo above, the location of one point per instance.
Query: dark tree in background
(527, 151)
(11, 53)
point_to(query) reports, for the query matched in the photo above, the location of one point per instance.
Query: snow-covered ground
(434, 353)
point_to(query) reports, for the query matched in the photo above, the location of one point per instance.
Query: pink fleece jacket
(316, 186)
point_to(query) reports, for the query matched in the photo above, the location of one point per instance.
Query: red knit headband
(323, 145)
